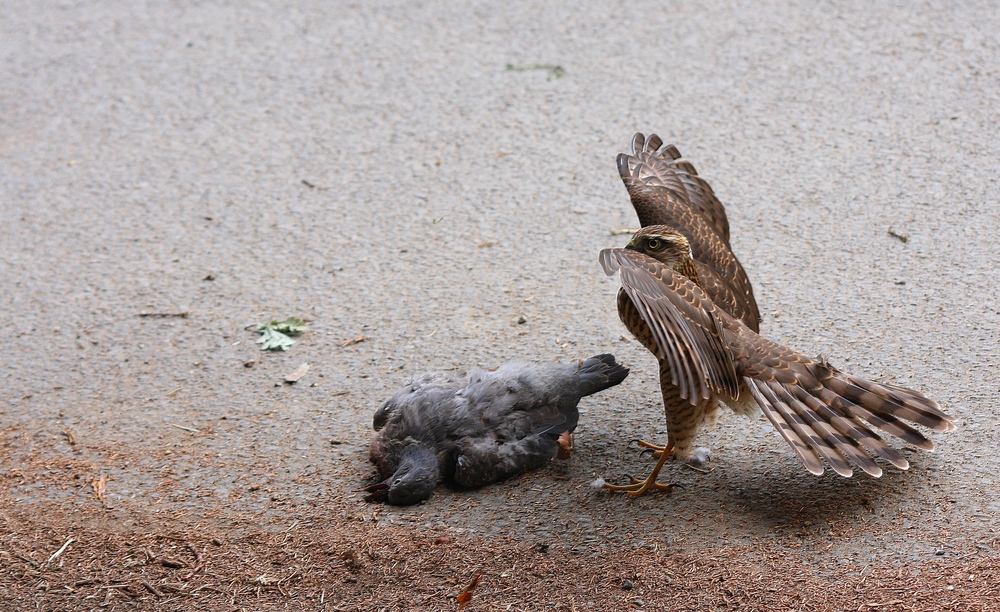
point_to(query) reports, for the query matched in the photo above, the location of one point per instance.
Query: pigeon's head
(663, 243)
(413, 482)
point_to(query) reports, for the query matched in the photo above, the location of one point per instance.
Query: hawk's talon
(638, 487)
(656, 449)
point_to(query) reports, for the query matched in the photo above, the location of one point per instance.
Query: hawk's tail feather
(805, 453)
(890, 399)
(834, 421)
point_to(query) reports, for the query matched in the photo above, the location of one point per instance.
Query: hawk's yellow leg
(638, 487)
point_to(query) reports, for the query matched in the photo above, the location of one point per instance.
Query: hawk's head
(663, 243)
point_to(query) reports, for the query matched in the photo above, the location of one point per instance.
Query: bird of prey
(478, 429)
(685, 298)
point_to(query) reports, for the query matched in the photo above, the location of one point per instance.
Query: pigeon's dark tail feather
(833, 418)
(600, 372)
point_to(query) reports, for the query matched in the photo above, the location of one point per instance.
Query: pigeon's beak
(378, 492)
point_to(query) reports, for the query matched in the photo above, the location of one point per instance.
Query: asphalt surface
(425, 174)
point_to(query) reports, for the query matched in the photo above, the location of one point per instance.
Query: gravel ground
(422, 176)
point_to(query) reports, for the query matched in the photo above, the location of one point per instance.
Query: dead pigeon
(478, 429)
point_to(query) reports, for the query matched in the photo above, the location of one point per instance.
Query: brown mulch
(354, 563)
(77, 554)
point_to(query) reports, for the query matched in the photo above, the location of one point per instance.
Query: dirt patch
(81, 555)
(338, 563)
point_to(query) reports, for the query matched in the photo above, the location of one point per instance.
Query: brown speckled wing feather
(725, 295)
(683, 323)
(651, 165)
(666, 190)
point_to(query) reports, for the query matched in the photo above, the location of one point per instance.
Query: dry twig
(59, 552)
(100, 485)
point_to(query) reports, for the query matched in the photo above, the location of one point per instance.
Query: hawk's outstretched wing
(666, 190)
(654, 172)
(683, 322)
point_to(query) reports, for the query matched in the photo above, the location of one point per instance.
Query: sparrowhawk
(686, 298)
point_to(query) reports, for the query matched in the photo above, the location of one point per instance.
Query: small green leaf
(275, 335)
(272, 339)
(291, 326)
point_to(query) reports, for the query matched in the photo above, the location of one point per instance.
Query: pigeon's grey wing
(422, 393)
(384, 413)
(515, 401)
(485, 460)
(423, 410)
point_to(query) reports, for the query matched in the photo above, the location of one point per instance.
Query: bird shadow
(782, 495)
(759, 491)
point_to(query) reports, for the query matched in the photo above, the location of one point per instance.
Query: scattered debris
(555, 71)
(199, 561)
(249, 364)
(900, 237)
(174, 392)
(466, 596)
(697, 469)
(209, 277)
(191, 429)
(353, 341)
(61, 550)
(172, 563)
(484, 245)
(297, 374)
(152, 589)
(276, 334)
(182, 315)
(624, 230)
(100, 484)
(70, 438)
(521, 320)
(351, 559)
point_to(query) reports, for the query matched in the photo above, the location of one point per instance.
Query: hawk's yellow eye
(653, 244)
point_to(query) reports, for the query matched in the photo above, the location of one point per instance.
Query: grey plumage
(478, 429)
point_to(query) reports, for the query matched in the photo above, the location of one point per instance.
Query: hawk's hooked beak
(630, 245)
